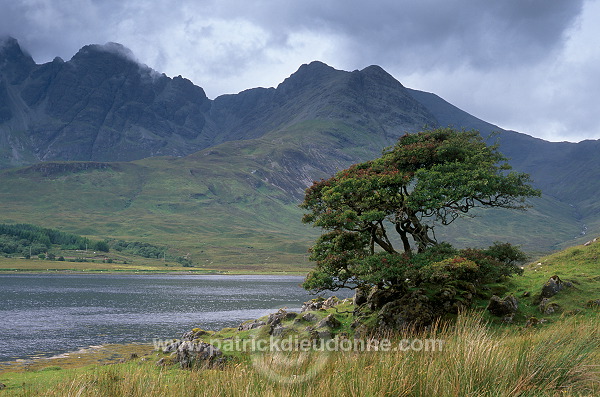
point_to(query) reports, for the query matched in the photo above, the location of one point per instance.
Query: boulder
(198, 353)
(330, 322)
(320, 303)
(309, 317)
(323, 334)
(547, 307)
(360, 297)
(379, 297)
(503, 307)
(413, 310)
(281, 315)
(172, 346)
(194, 334)
(552, 287)
(248, 325)
(278, 330)
(532, 321)
(593, 303)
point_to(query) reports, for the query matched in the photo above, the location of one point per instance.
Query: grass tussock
(558, 360)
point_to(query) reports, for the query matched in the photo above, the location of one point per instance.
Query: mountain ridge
(230, 172)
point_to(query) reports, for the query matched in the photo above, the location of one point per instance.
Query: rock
(379, 297)
(278, 330)
(197, 353)
(547, 307)
(361, 331)
(194, 334)
(2, 386)
(532, 321)
(503, 307)
(552, 287)
(309, 317)
(330, 322)
(172, 347)
(248, 325)
(161, 362)
(508, 318)
(413, 310)
(594, 303)
(306, 318)
(323, 334)
(320, 303)
(360, 297)
(281, 315)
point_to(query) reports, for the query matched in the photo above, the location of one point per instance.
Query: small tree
(427, 179)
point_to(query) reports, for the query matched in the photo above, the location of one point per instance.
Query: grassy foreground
(480, 356)
(476, 360)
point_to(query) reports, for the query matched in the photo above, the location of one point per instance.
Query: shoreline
(91, 355)
(140, 272)
(12, 266)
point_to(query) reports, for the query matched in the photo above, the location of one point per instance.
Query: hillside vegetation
(240, 163)
(480, 356)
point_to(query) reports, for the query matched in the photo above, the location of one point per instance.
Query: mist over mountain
(236, 167)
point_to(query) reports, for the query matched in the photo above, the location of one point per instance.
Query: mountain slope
(566, 172)
(104, 106)
(237, 166)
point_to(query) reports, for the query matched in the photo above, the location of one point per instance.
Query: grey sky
(528, 65)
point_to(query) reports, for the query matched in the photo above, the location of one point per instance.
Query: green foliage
(498, 261)
(427, 179)
(138, 248)
(450, 269)
(21, 238)
(101, 246)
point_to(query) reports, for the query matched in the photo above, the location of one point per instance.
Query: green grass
(579, 265)
(236, 204)
(480, 356)
(560, 359)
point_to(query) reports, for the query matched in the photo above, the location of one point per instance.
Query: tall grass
(561, 359)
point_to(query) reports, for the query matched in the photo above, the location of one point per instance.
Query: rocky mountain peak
(311, 74)
(109, 49)
(15, 64)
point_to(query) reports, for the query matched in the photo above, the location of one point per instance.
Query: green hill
(221, 179)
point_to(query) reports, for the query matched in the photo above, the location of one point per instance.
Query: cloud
(529, 65)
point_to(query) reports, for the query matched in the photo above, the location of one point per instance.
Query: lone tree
(426, 179)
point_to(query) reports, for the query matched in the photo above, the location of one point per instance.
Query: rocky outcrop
(194, 334)
(320, 304)
(505, 308)
(252, 324)
(593, 303)
(553, 286)
(198, 354)
(413, 310)
(501, 307)
(547, 307)
(329, 322)
(281, 315)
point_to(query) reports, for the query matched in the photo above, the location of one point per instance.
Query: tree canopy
(426, 179)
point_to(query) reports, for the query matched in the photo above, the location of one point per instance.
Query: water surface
(46, 314)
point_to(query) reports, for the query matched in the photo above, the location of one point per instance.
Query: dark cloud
(494, 59)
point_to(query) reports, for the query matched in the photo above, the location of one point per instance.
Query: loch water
(42, 315)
